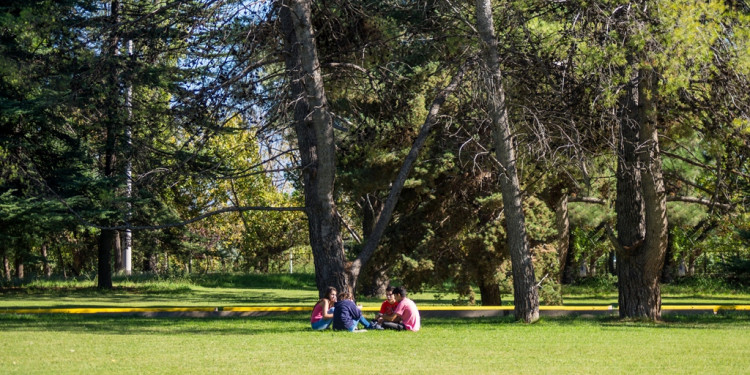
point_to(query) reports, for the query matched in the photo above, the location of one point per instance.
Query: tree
(314, 129)
(525, 293)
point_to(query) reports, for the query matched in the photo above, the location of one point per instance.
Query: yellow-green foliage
(688, 30)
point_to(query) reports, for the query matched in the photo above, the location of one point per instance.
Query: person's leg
(364, 321)
(394, 325)
(321, 324)
(352, 327)
(370, 325)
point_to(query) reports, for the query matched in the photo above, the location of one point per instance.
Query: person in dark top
(346, 315)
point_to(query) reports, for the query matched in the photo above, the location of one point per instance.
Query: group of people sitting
(339, 310)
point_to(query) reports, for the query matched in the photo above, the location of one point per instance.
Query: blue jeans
(362, 320)
(321, 324)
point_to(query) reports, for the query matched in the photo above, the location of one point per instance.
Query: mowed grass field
(229, 290)
(284, 344)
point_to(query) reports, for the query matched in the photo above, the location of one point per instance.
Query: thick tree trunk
(107, 236)
(525, 292)
(490, 292)
(315, 139)
(106, 240)
(641, 204)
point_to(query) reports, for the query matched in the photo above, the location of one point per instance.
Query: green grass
(225, 290)
(283, 344)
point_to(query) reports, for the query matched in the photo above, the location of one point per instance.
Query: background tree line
(509, 146)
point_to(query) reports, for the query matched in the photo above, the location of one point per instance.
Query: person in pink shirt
(405, 316)
(322, 314)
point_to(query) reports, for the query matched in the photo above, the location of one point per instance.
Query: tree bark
(641, 203)
(107, 236)
(525, 292)
(490, 293)
(315, 138)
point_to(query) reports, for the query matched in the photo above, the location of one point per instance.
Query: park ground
(283, 344)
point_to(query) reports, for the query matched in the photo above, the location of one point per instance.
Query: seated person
(405, 316)
(346, 315)
(322, 314)
(388, 305)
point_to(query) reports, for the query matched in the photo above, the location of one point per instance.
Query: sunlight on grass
(284, 344)
(229, 290)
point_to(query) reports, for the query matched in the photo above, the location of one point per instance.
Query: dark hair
(389, 289)
(328, 292)
(344, 296)
(401, 291)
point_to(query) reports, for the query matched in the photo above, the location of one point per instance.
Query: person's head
(331, 294)
(399, 293)
(344, 296)
(389, 294)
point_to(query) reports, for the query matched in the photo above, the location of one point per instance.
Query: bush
(736, 271)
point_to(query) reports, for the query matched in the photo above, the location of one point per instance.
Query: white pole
(291, 268)
(127, 251)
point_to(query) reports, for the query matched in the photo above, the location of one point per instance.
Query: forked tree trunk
(315, 138)
(641, 203)
(525, 291)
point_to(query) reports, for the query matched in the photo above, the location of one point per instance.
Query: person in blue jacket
(346, 315)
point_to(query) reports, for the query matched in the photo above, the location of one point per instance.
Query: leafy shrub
(736, 271)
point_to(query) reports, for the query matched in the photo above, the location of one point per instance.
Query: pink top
(317, 313)
(407, 309)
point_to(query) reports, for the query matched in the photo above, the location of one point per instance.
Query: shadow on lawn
(137, 325)
(299, 322)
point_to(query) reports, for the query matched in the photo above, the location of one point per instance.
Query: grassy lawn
(283, 344)
(223, 290)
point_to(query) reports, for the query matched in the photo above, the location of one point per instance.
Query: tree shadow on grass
(139, 325)
(91, 297)
(726, 320)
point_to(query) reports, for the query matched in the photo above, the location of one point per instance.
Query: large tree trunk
(641, 203)
(107, 236)
(315, 139)
(525, 292)
(106, 242)
(489, 289)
